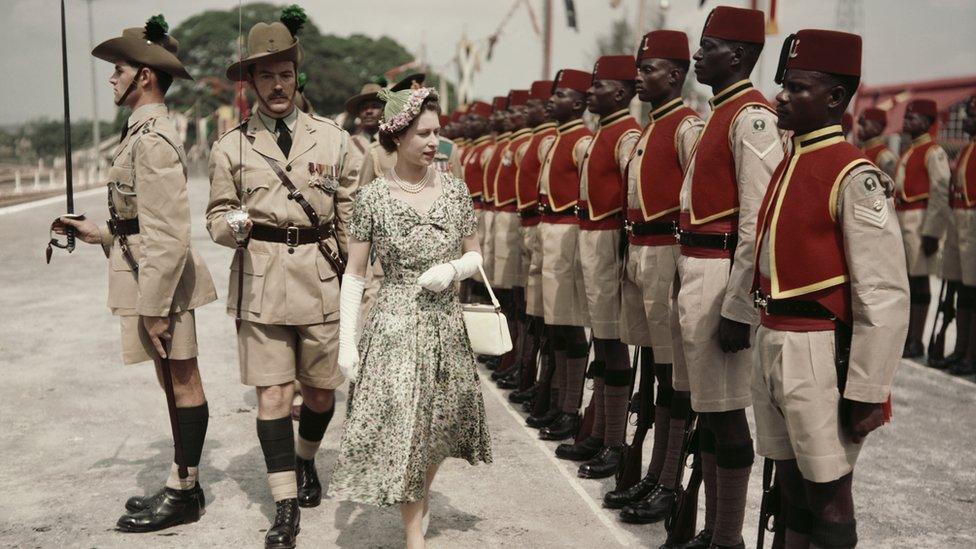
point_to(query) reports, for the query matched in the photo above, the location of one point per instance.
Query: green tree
(619, 41)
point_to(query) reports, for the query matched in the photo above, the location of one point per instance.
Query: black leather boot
(913, 349)
(653, 508)
(522, 396)
(702, 541)
(962, 368)
(546, 419)
(171, 508)
(565, 427)
(617, 499)
(284, 531)
(511, 381)
(138, 503)
(581, 451)
(604, 464)
(309, 488)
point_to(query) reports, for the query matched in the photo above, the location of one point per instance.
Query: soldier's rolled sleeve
(937, 211)
(757, 151)
(164, 223)
(224, 196)
(879, 284)
(349, 180)
(625, 148)
(688, 132)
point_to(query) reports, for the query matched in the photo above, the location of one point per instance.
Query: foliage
(46, 137)
(621, 39)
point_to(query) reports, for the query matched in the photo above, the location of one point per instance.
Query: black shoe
(509, 382)
(529, 405)
(565, 427)
(913, 349)
(172, 508)
(604, 465)
(702, 541)
(740, 545)
(492, 362)
(522, 396)
(583, 450)
(962, 368)
(946, 362)
(546, 419)
(654, 508)
(140, 503)
(285, 529)
(309, 488)
(619, 498)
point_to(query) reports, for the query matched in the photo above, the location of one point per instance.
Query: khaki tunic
(284, 286)
(507, 268)
(531, 275)
(645, 305)
(600, 255)
(563, 294)
(794, 386)
(931, 221)
(147, 180)
(488, 236)
(712, 288)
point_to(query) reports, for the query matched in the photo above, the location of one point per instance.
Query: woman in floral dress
(417, 397)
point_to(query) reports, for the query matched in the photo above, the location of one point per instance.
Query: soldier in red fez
(959, 257)
(506, 280)
(655, 171)
(498, 122)
(529, 159)
(563, 297)
(723, 186)
(478, 131)
(601, 213)
(832, 291)
(871, 126)
(922, 203)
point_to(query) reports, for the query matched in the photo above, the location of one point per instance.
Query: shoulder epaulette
(237, 127)
(326, 120)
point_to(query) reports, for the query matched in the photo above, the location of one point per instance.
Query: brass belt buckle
(759, 300)
(291, 236)
(629, 227)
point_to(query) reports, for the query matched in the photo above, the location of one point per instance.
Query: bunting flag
(771, 26)
(571, 15)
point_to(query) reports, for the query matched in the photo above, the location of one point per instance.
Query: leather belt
(791, 307)
(530, 212)
(292, 236)
(724, 241)
(123, 227)
(546, 210)
(653, 228)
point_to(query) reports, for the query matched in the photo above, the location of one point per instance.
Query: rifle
(69, 232)
(589, 413)
(542, 398)
(944, 315)
(629, 471)
(769, 506)
(682, 519)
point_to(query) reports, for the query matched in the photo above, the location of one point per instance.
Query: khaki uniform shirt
(879, 282)
(756, 149)
(148, 180)
(937, 212)
(887, 160)
(300, 287)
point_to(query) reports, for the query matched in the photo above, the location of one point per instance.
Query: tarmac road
(79, 433)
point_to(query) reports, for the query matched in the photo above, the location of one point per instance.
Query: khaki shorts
(136, 346)
(532, 266)
(563, 296)
(273, 354)
(718, 381)
(602, 264)
(645, 299)
(919, 264)
(480, 215)
(488, 245)
(797, 404)
(951, 269)
(507, 250)
(679, 371)
(965, 225)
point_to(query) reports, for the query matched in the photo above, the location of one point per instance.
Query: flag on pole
(571, 15)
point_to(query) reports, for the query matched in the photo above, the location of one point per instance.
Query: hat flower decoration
(402, 107)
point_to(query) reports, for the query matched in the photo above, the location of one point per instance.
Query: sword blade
(69, 187)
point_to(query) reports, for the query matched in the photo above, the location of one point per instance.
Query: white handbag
(486, 325)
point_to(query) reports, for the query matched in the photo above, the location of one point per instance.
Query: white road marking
(622, 536)
(47, 201)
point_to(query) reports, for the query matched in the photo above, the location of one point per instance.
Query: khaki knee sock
(283, 485)
(174, 481)
(734, 466)
(573, 392)
(616, 401)
(599, 411)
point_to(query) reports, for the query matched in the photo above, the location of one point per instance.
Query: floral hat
(402, 107)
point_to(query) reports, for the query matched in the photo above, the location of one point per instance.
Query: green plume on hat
(302, 80)
(380, 81)
(294, 18)
(156, 28)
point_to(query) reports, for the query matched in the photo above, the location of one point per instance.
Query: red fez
(615, 67)
(541, 89)
(499, 104)
(736, 24)
(664, 44)
(823, 51)
(480, 108)
(924, 106)
(573, 79)
(876, 114)
(443, 119)
(517, 98)
(456, 116)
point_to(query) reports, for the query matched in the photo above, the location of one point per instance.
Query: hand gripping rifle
(681, 520)
(944, 316)
(69, 243)
(589, 413)
(769, 506)
(631, 466)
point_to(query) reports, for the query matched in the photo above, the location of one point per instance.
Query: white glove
(467, 265)
(440, 276)
(350, 299)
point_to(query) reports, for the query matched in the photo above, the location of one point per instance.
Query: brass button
(288, 168)
(291, 250)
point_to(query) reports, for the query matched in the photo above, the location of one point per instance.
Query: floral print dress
(418, 397)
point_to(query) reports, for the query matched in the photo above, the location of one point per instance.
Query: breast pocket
(123, 189)
(255, 265)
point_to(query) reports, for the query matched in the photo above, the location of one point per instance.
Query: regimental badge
(758, 125)
(325, 177)
(870, 184)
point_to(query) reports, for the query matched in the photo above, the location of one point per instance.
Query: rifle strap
(842, 353)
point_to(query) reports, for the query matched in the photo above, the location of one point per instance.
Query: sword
(69, 232)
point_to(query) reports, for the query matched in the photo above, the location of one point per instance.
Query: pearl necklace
(408, 187)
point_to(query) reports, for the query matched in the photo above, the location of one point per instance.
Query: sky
(904, 40)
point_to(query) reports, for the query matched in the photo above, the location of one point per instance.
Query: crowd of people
(753, 257)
